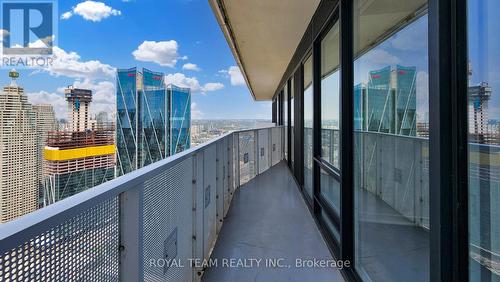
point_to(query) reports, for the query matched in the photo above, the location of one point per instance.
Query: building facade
(18, 153)
(153, 120)
(180, 118)
(80, 158)
(78, 108)
(45, 122)
(387, 103)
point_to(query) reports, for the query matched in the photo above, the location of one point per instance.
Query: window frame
(448, 118)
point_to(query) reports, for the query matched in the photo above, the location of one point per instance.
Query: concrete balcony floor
(268, 219)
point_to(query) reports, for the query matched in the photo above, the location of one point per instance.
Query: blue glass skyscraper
(180, 119)
(127, 110)
(153, 120)
(388, 103)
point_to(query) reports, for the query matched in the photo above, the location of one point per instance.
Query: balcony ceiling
(263, 36)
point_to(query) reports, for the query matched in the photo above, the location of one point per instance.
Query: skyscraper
(153, 119)
(18, 152)
(78, 108)
(81, 158)
(180, 118)
(388, 101)
(45, 121)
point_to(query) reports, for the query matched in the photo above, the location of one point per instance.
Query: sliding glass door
(391, 145)
(484, 139)
(328, 157)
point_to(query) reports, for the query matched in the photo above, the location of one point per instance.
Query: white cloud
(196, 113)
(413, 37)
(66, 15)
(3, 33)
(235, 75)
(56, 100)
(43, 42)
(380, 57)
(212, 86)
(103, 95)
(181, 80)
(71, 65)
(190, 66)
(91, 11)
(163, 53)
(103, 92)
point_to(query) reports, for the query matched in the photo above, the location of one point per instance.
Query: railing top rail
(39, 221)
(259, 128)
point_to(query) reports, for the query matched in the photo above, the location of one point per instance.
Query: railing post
(282, 130)
(237, 165)
(130, 232)
(270, 147)
(256, 151)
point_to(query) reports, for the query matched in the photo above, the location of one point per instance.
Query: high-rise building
(180, 118)
(18, 150)
(388, 102)
(78, 108)
(45, 122)
(153, 119)
(81, 158)
(479, 95)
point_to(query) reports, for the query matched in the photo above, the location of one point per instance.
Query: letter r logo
(28, 27)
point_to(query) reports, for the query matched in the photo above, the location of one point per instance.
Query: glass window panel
(292, 129)
(308, 122)
(330, 190)
(484, 146)
(285, 120)
(391, 165)
(330, 89)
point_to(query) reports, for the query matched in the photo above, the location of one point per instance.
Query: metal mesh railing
(152, 224)
(83, 247)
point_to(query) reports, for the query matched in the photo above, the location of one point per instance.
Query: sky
(178, 37)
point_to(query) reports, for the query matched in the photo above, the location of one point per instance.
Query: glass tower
(388, 103)
(153, 143)
(180, 119)
(127, 119)
(153, 120)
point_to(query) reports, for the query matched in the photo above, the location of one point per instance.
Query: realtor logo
(28, 27)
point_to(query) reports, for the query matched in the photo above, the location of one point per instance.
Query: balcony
(209, 213)
(270, 221)
(160, 222)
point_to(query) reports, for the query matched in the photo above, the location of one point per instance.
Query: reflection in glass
(484, 146)
(330, 117)
(330, 189)
(285, 120)
(308, 122)
(391, 165)
(292, 129)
